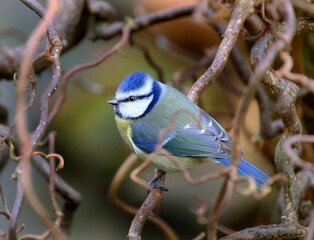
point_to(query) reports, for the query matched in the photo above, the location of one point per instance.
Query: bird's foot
(155, 184)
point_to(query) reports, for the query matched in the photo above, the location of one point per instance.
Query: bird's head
(136, 96)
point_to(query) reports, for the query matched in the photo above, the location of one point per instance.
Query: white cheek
(136, 108)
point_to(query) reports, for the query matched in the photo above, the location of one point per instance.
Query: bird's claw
(155, 184)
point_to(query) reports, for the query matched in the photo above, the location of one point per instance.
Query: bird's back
(176, 104)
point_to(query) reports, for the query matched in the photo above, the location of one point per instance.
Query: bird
(143, 107)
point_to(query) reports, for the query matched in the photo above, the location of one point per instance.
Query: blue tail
(245, 169)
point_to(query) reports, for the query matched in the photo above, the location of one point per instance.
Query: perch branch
(113, 196)
(145, 211)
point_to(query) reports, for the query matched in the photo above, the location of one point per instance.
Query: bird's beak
(113, 101)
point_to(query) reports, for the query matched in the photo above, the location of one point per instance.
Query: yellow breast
(124, 127)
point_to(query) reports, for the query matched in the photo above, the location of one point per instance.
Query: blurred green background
(88, 140)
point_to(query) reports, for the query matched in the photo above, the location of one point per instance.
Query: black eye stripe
(136, 98)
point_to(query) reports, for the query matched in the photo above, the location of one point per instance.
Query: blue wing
(145, 137)
(210, 141)
(191, 141)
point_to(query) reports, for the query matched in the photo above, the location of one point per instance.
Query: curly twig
(70, 195)
(259, 73)
(70, 25)
(26, 143)
(78, 68)
(241, 12)
(294, 158)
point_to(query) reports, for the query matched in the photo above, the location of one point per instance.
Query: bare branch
(15, 212)
(27, 144)
(259, 72)
(221, 203)
(306, 6)
(6, 211)
(70, 25)
(286, 100)
(4, 157)
(275, 231)
(102, 9)
(145, 211)
(113, 196)
(285, 71)
(70, 195)
(107, 32)
(294, 158)
(148, 58)
(241, 12)
(78, 68)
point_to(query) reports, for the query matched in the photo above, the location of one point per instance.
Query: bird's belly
(174, 164)
(168, 164)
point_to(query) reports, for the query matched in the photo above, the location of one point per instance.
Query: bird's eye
(132, 98)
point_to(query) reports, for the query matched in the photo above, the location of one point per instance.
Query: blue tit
(143, 107)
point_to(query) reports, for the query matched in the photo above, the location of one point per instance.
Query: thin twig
(305, 6)
(6, 211)
(285, 71)
(107, 32)
(52, 155)
(310, 233)
(203, 62)
(258, 75)
(149, 58)
(71, 197)
(200, 236)
(221, 202)
(294, 158)
(53, 169)
(241, 12)
(70, 25)
(33, 84)
(26, 143)
(15, 212)
(78, 68)
(4, 157)
(116, 182)
(93, 87)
